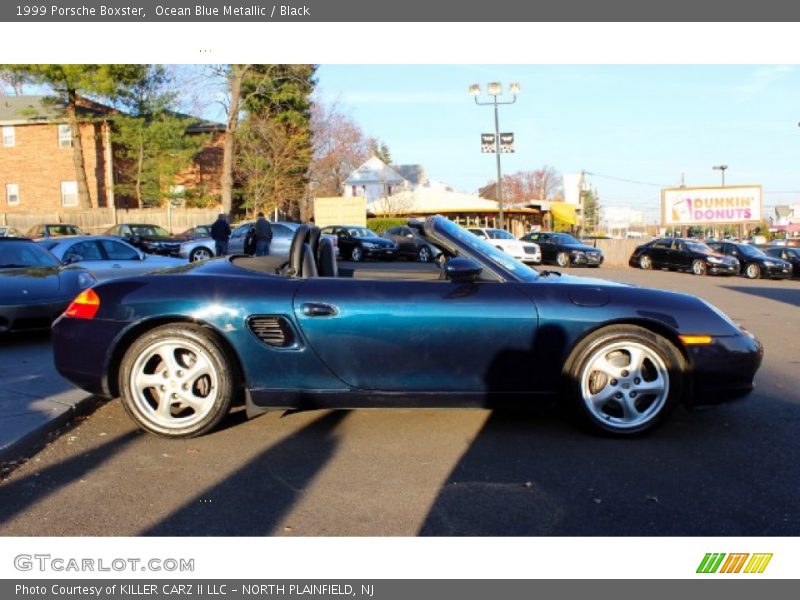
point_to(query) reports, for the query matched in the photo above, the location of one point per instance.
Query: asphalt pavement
(35, 401)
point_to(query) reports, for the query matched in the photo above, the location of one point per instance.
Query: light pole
(722, 169)
(494, 90)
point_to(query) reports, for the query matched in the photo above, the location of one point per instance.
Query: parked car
(753, 263)
(6, 231)
(564, 250)
(48, 230)
(358, 243)
(792, 255)
(152, 239)
(411, 245)
(204, 248)
(34, 286)
(525, 251)
(195, 233)
(107, 257)
(793, 242)
(679, 254)
(481, 329)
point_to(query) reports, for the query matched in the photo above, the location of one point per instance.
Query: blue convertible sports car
(480, 329)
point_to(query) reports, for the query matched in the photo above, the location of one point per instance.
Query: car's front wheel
(699, 267)
(200, 253)
(753, 271)
(625, 380)
(176, 381)
(424, 254)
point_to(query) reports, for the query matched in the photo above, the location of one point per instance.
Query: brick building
(37, 172)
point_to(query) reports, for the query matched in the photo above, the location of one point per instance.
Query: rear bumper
(31, 317)
(724, 370)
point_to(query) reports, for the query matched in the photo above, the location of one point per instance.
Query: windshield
(56, 230)
(699, 247)
(565, 238)
(749, 250)
(361, 232)
(15, 255)
(485, 249)
(500, 234)
(149, 231)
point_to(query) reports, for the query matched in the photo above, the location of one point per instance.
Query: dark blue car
(480, 329)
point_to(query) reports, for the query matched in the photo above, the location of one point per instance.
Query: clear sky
(647, 124)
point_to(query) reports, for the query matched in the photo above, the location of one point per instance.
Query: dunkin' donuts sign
(698, 206)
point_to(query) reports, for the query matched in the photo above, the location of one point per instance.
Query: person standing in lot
(263, 235)
(221, 233)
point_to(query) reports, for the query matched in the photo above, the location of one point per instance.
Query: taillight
(85, 305)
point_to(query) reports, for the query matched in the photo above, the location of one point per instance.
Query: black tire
(145, 361)
(424, 254)
(357, 254)
(629, 404)
(200, 253)
(752, 271)
(699, 267)
(563, 260)
(645, 262)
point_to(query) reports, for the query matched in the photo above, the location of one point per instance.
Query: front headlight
(86, 280)
(714, 260)
(369, 245)
(769, 263)
(578, 253)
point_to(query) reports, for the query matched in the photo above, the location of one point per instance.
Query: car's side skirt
(262, 400)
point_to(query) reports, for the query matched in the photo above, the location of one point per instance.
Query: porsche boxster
(478, 329)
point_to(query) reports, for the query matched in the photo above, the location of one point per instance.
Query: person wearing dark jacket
(221, 233)
(263, 233)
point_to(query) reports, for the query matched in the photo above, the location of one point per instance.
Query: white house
(375, 179)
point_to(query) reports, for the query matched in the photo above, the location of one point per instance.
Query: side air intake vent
(273, 331)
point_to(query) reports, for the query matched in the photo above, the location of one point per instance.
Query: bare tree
(340, 146)
(524, 186)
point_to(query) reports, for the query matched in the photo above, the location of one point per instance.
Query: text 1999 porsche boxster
(478, 329)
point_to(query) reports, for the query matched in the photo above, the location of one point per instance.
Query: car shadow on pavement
(18, 495)
(253, 500)
(788, 296)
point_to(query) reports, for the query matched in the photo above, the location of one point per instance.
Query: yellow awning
(564, 212)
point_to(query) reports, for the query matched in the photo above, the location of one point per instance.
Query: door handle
(318, 309)
(116, 266)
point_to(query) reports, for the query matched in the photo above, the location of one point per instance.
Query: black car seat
(327, 259)
(313, 238)
(296, 251)
(308, 266)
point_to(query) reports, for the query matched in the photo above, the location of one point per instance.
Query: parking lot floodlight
(475, 89)
(495, 88)
(513, 87)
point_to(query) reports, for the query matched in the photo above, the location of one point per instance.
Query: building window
(12, 194)
(64, 136)
(9, 137)
(69, 193)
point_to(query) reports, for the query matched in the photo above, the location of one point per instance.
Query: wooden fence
(99, 219)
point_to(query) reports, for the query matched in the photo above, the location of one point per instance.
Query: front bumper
(31, 317)
(778, 272)
(589, 259)
(725, 369)
(715, 269)
(381, 253)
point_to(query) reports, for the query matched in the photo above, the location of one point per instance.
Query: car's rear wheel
(176, 381)
(357, 254)
(562, 259)
(753, 271)
(645, 262)
(424, 254)
(625, 380)
(200, 253)
(699, 267)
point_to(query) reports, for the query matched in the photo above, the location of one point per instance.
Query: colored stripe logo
(737, 562)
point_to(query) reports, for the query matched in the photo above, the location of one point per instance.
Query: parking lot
(729, 470)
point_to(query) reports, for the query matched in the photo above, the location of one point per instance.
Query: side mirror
(72, 258)
(410, 236)
(462, 270)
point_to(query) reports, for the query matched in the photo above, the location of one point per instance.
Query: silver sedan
(107, 257)
(203, 248)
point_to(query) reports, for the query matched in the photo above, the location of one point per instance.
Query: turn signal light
(85, 305)
(695, 340)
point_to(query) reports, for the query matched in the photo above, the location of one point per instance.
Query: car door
(659, 253)
(547, 247)
(88, 255)
(281, 239)
(236, 241)
(122, 259)
(679, 256)
(420, 336)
